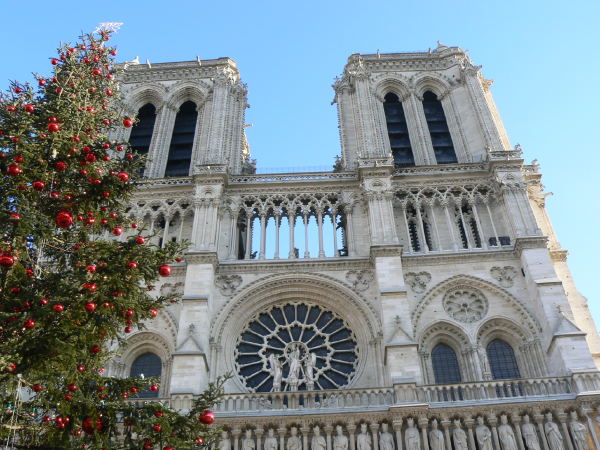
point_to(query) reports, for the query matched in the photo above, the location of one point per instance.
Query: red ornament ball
(207, 417)
(127, 122)
(13, 170)
(117, 231)
(7, 261)
(164, 270)
(168, 447)
(158, 413)
(19, 159)
(128, 329)
(29, 324)
(60, 166)
(80, 368)
(123, 176)
(68, 397)
(156, 427)
(132, 265)
(95, 349)
(38, 185)
(72, 387)
(58, 308)
(53, 127)
(54, 61)
(90, 307)
(15, 217)
(37, 388)
(29, 108)
(41, 82)
(64, 219)
(153, 312)
(154, 387)
(140, 240)
(200, 441)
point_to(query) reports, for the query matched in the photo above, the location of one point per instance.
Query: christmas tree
(75, 274)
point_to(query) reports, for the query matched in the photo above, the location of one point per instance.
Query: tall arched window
(398, 131)
(148, 365)
(141, 133)
(438, 129)
(502, 360)
(445, 365)
(182, 140)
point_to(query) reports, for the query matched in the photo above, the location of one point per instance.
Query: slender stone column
(450, 225)
(235, 434)
(248, 252)
(469, 421)
(516, 420)
(291, 223)
(165, 232)
(335, 242)
(277, 229)
(328, 430)
(320, 225)
(281, 432)
(487, 207)
(374, 428)
(397, 425)
(304, 431)
(473, 204)
(305, 218)
(446, 426)
(465, 227)
(349, 231)
(493, 421)
(351, 429)
(585, 411)
(539, 420)
(438, 239)
(410, 245)
(263, 235)
(425, 246)
(423, 423)
(562, 418)
(259, 432)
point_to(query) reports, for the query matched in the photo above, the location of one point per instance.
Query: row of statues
(482, 434)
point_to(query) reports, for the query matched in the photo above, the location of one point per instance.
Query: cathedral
(415, 297)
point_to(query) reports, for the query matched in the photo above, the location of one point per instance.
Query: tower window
(398, 131)
(438, 129)
(502, 360)
(148, 365)
(445, 365)
(141, 133)
(182, 141)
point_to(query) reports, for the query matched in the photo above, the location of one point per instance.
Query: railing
(292, 177)
(408, 393)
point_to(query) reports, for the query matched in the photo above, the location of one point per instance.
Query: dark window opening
(141, 133)
(438, 129)
(502, 360)
(445, 365)
(148, 365)
(182, 141)
(398, 131)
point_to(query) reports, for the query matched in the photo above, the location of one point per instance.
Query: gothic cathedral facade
(415, 296)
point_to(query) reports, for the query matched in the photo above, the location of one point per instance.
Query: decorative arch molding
(322, 290)
(184, 91)
(439, 84)
(153, 93)
(499, 327)
(396, 83)
(444, 332)
(143, 342)
(525, 316)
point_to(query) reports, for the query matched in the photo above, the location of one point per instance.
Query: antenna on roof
(198, 60)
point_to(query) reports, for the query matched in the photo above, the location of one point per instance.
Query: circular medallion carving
(296, 346)
(465, 304)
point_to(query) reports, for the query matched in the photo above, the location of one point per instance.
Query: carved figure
(363, 440)
(225, 442)
(248, 443)
(484, 435)
(295, 364)
(506, 434)
(340, 442)
(485, 365)
(459, 437)
(276, 371)
(529, 434)
(578, 432)
(386, 440)
(318, 441)
(294, 442)
(411, 436)
(555, 439)
(270, 440)
(309, 370)
(436, 437)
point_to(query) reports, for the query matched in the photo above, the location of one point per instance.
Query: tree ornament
(128, 329)
(58, 308)
(127, 122)
(68, 397)
(43, 301)
(80, 368)
(38, 185)
(154, 387)
(6, 260)
(64, 219)
(95, 349)
(42, 82)
(60, 166)
(123, 176)
(29, 108)
(164, 270)
(29, 324)
(132, 265)
(117, 231)
(199, 441)
(140, 240)
(207, 417)
(19, 159)
(72, 387)
(90, 307)
(53, 127)
(13, 170)
(153, 312)
(158, 413)
(37, 388)
(156, 427)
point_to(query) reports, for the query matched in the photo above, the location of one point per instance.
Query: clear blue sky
(543, 55)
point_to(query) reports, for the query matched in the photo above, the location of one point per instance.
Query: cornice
(559, 255)
(469, 257)
(522, 243)
(196, 257)
(386, 250)
(293, 265)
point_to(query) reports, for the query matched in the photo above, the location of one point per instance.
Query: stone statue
(340, 442)
(485, 365)
(386, 440)
(276, 371)
(318, 441)
(225, 442)
(436, 437)
(270, 440)
(484, 435)
(309, 370)
(529, 434)
(578, 432)
(411, 436)
(363, 440)
(248, 443)
(555, 439)
(294, 442)
(294, 363)
(506, 434)
(459, 437)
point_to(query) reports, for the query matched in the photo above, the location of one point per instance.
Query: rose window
(296, 346)
(465, 304)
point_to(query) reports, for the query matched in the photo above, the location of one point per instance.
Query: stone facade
(390, 295)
